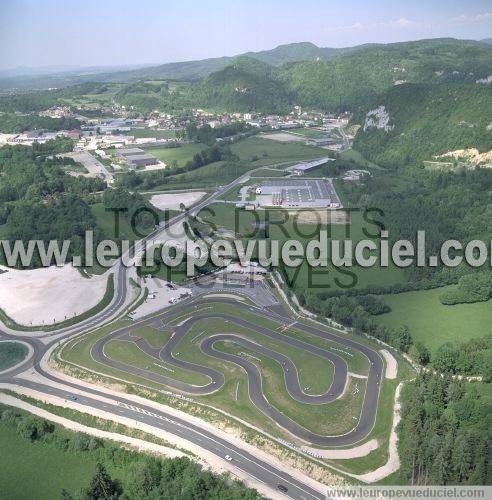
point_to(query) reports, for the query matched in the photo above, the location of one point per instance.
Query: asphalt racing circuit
(279, 315)
(46, 381)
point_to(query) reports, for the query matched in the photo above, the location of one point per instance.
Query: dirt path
(391, 364)
(393, 463)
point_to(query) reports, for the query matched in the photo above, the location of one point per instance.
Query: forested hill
(346, 81)
(245, 85)
(413, 122)
(185, 70)
(353, 79)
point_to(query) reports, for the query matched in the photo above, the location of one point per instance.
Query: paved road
(258, 469)
(248, 463)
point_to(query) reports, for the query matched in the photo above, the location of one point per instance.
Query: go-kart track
(279, 315)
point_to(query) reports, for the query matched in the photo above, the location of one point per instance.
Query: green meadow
(435, 324)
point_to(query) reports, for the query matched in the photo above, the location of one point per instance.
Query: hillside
(437, 118)
(346, 81)
(245, 85)
(440, 54)
(352, 79)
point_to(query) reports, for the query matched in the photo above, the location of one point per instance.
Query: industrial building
(320, 141)
(143, 160)
(125, 152)
(302, 168)
(293, 193)
(136, 157)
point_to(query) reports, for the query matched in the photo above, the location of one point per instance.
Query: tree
(420, 352)
(144, 476)
(445, 358)
(33, 428)
(401, 338)
(462, 457)
(102, 487)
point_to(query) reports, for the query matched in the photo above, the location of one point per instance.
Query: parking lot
(302, 193)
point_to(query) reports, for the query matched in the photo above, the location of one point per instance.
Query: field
(106, 222)
(435, 324)
(11, 353)
(32, 470)
(309, 133)
(93, 101)
(269, 172)
(253, 152)
(261, 152)
(181, 154)
(353, 156)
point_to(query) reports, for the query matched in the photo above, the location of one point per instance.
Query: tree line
(12, 123)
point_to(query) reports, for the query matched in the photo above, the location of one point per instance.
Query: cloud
(404, 23)
(400, 23)
(475, 18)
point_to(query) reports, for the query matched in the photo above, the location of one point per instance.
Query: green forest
(273, 81)
(444, 433)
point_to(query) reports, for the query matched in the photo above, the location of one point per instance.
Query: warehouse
(293, 193)
(319, 141)
(302, 168)
(141, 160)
(125, 152)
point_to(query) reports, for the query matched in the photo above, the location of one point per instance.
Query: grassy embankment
(11, 353)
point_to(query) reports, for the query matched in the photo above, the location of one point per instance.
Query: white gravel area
(393, 463)
(49, 294)
(172, 201)
(391, 364)
(284, 137)
(159, 297)
(342, 454)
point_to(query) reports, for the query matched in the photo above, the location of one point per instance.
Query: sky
(36, 33)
